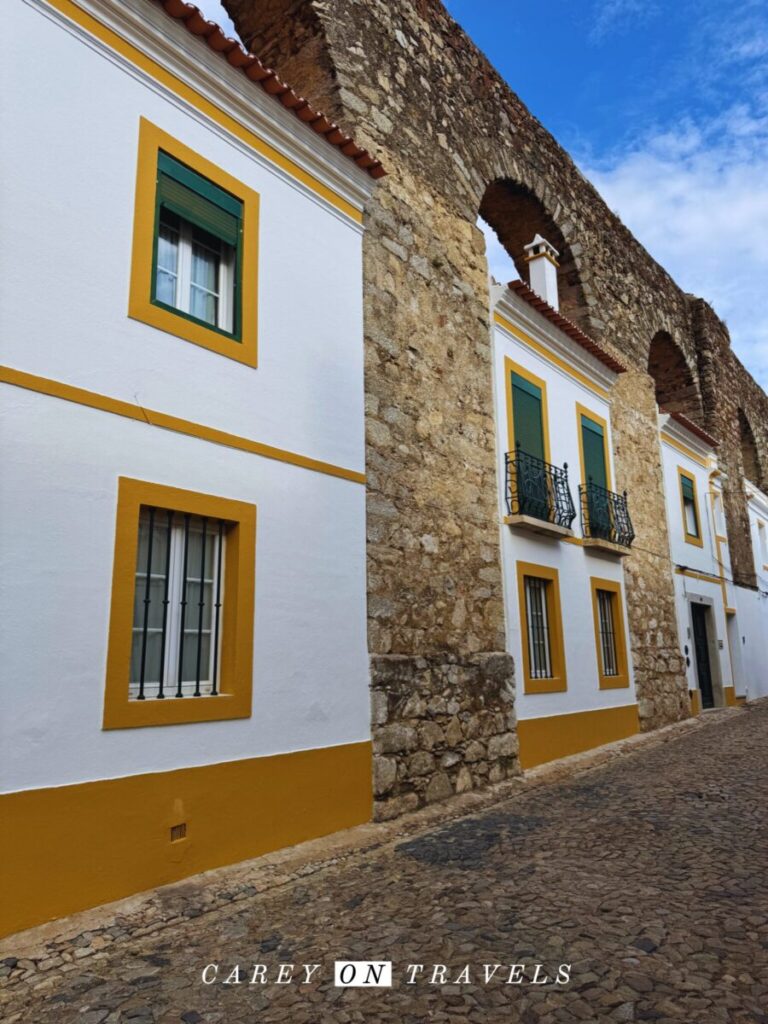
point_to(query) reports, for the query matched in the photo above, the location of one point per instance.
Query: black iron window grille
(605, 515)
(606, 621)
(177, 605)
(537, 617)
(538, 489)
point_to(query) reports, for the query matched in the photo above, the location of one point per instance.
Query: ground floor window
(541, 629)
(181, 624)
(609, 633)
(178, 605)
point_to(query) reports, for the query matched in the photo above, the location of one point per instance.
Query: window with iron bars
(537, 616)
(607, 626)
(178, 605)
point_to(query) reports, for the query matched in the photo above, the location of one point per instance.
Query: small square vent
(178, 832)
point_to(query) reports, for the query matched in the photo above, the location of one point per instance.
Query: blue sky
(664, 106)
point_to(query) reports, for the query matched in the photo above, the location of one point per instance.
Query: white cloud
(612, 14)
(698, 201)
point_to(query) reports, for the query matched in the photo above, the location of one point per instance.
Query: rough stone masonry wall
(406, 81)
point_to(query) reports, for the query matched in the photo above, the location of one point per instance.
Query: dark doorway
(701, 649)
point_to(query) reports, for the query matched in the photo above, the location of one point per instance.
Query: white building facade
(707, 616)
(752, 605)
(183, 441)
(565, 526)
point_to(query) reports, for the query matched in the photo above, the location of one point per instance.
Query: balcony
(605, 520)
(537, 494)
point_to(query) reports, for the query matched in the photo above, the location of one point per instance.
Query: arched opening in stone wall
(516, 216)
(749, 456)
(674, 380)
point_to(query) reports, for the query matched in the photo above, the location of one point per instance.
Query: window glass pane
(167, 260)
(155, 606)
(539, 650)
(691, 523)
(605, 601)
(152, 658)
(187, 596)
(205, 265)
(189, 666)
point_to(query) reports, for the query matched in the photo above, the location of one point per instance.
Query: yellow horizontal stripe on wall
(68, 848)
(685, 450)
(729, 693)
(556, 736)
(205, 106)
(69, 393)
(545, 353)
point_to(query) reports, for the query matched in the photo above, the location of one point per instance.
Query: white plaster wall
(753, 609)
(57, 505)
(575, 564)
(67, 219)
(752, 620)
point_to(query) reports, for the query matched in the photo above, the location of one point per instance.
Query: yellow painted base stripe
(73, 847)
(729, 692)
(545, 353)
(195, 99)
(556, 736)
(695, 702)
(118, 407)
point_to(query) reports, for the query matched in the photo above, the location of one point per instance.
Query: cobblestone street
(647, 874)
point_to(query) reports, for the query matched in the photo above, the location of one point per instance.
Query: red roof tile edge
(565, 325)
(269, 81)
(692, 427)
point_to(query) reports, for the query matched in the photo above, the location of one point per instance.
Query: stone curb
(62, 945)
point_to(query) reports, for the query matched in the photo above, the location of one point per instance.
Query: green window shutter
(688, 492)
(593, 445)
(527, 416)
(198, 200)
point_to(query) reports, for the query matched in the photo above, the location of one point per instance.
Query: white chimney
(541, 258)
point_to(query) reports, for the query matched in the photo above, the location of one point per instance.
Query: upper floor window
(195, 248)
(690, 508)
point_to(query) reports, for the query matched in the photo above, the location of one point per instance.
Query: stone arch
(516, 215)
(675, 383)
(750, 457)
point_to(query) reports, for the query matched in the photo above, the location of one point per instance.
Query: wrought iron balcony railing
(605, 515)
(539, 490)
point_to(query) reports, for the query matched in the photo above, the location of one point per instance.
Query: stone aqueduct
(404, 78)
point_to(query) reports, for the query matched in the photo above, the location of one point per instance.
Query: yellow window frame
(558, 682)
(690, 538)
(236, 673)
(621, 680)
(510, 367)
(140, 306)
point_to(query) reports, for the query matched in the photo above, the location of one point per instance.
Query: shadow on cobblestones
(465, 843)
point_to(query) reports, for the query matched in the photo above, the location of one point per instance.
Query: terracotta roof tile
(565, 325)
(270, 82)
(694, 429)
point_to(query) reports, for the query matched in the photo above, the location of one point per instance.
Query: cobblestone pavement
(648, 875)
